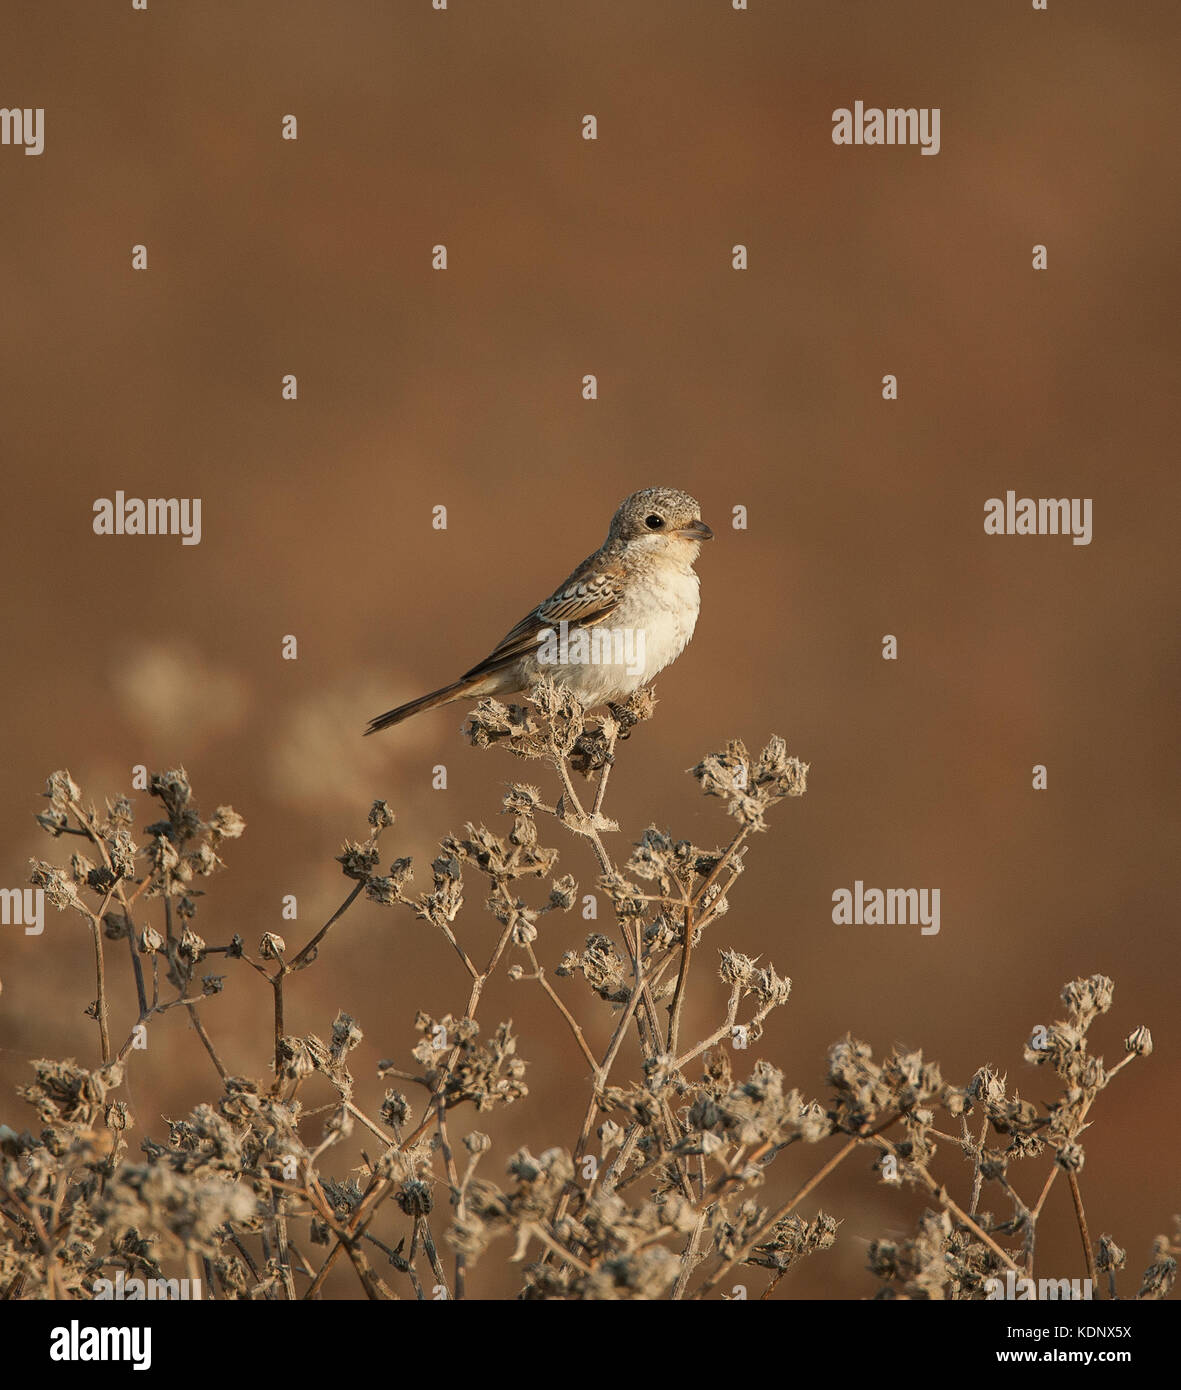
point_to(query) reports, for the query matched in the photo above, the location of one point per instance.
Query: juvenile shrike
(638, 589)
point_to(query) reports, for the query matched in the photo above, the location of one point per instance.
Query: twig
(303, 959)
(432, 1254)
(539, 976)
(674, 1019)
(277, 988)
(605, 771)
(1077, 1198)
(940, 1193)
(207, 1042)
(280, 1219)
(813, 1182)
(690, 931)
(689, 1257)
(96, 930)
(457, 1195)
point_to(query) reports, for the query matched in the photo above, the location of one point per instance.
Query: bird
(622, 616)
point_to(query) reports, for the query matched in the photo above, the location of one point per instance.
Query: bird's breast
(662, 605)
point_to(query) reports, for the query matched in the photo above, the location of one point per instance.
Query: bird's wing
(589, 595)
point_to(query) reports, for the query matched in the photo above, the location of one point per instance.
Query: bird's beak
(696, 530)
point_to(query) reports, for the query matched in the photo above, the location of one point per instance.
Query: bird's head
(661, 519)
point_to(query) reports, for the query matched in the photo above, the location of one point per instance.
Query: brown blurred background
(760, 389)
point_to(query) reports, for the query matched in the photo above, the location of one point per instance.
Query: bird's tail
(456, 691)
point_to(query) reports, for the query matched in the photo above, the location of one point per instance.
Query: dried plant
(656, 1196)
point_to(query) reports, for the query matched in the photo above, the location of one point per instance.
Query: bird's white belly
(649, 629)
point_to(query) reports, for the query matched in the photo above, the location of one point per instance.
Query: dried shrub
(654, 1197)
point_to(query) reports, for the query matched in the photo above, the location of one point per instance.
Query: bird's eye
(654, 522)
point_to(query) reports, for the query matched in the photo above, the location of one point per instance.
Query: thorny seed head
(226, 824)
(173, 789)
(987, 1087)
(793, 1238)
(358, 861)
(415, 1198)
(601, 967)
(610, 1136)
(395, 1109)
(191, 947)
(1109, 1257)
(115, 926)
(346, 1035)
(521, 799)
(1070, 1157)
(59, 891)
(748, 786)
(563, 892)
(62, 790)
(485, 1073)
(1160, 1274)
(1088, 998)
(510, 726)
(771, 989)
(121, 850)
